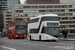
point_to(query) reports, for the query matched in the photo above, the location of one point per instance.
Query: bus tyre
(40, 37)
(30, 37)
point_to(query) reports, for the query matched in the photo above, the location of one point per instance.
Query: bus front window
(20, 31)
(50, 30)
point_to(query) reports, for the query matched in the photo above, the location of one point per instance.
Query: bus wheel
(30, 37)
(40, 37)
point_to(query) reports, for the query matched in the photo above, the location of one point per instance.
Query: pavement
(67, 39)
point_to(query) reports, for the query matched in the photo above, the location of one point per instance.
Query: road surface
(25, 44)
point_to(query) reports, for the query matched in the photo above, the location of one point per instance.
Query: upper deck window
(34, 20)
(20, 23)
(50, 18)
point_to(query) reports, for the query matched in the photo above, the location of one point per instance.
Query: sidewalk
(67, 39)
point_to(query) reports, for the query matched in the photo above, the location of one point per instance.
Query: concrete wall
(67, 2)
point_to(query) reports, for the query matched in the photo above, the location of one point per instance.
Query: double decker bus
(44, 27)
(17, 29)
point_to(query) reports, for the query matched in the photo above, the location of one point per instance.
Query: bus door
(9, 33)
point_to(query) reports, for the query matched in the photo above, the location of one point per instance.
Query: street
(25, 44)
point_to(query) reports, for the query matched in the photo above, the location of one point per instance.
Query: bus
(17, 29)
(44, 27)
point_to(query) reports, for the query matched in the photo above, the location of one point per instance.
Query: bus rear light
(16, 35)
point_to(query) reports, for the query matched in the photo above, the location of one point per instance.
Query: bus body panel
(43, 37)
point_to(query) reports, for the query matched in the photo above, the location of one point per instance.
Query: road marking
(8, 48)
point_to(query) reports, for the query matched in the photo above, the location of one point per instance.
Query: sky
(22, 1)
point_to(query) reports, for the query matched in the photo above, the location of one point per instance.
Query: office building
(6, 5)
(7, 19)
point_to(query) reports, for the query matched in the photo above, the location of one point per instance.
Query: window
(41, 6)
(16, 6)
(34, 30)
(73, 6)
(26, 14)
(73, 17)
(20, 6)
(50, 18)
(66, 10)
(70, 18)
(52, 24)
(49, 6)
(20, 31)
(56, 6)
(26, 6)
(34, 6)
(51, 30)
(25, 10)
(72, 31)
(42, 10)
(34, 20)
(19, 11)
(20, 23)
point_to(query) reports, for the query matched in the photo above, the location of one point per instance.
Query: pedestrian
(64, 33)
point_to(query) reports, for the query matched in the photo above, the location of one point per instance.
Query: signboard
(20, 27)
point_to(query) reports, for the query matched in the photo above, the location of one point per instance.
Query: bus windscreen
(21, 31)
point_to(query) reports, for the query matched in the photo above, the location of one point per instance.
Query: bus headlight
(16, 35)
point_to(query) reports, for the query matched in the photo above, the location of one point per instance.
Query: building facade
(43, 1)
(66, 13)
(5, 5)
(67, 2)
(7, 19)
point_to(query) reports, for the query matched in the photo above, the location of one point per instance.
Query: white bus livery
(44, 27)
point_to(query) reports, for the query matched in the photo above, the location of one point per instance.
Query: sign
(20, 27)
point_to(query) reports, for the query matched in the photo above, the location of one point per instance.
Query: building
(7, 18)
(43, 1)
(50, 2)
(66, 13)
(5, 5)
(67, 2)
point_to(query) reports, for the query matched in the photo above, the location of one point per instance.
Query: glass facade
(5, 5)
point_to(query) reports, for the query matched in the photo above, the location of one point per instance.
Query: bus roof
(45, 15)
